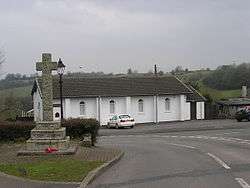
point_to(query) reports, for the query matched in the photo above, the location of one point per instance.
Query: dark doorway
(193, 110)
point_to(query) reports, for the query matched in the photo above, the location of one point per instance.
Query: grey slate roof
(76, 87)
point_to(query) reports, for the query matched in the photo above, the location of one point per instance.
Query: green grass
(219, 94)
(65, 170)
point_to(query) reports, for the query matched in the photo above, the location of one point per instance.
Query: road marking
(232, 133)
(181, 145)
(242, 183)
(218, 160)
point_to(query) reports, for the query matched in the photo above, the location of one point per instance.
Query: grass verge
(64, 170)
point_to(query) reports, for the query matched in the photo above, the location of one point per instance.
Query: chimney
(244, 91)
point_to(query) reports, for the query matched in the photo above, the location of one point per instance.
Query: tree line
(227, 77)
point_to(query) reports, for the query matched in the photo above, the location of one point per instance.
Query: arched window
(57, 115)
(82, 108)
(167, 104)
(112, 107)
(140, 105)
(39, 106)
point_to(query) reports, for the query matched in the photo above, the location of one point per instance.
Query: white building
(146, 99)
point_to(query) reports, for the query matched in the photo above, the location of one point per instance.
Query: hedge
(75, 128)
(78, 127)
(12, 131)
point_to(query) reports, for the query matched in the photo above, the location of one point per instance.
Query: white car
(122, 120)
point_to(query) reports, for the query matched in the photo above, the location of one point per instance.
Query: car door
(113, 120)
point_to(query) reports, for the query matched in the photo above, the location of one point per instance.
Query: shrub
(11, 131)
(77, 128)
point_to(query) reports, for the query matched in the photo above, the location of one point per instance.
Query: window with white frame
(112, 107)
(82, 108)
(140, 105)
(167, 104)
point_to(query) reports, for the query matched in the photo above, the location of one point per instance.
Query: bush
(77, 128)
(11, 131)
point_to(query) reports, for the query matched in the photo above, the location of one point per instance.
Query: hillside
(14, 100)
(196, 79)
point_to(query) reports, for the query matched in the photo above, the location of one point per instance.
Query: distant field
(15, 92)
(197, 77)
(219, 94)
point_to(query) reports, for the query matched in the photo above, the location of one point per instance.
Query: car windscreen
(124, 116)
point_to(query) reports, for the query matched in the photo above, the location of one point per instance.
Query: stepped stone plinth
(48, 134)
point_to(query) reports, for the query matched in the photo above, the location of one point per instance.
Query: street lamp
(60, 71)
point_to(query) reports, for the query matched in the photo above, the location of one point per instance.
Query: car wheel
(108, 126)
(239, 120)
(132, 126)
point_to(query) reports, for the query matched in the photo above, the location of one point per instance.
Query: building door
(193, 110)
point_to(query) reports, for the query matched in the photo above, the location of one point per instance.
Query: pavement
(174, 155)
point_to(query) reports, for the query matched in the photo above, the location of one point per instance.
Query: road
(214, 158)
(166, 156)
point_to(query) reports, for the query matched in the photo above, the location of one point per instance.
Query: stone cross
(47, 66)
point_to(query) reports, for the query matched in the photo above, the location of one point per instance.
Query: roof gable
(195, 95)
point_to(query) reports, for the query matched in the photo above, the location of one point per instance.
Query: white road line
(232, 133)
(198, 137)
(242, 183)
(181, 145)
(218, 160)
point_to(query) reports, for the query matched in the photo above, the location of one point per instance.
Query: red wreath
(50, 150)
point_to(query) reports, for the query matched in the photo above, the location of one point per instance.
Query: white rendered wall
(148, 115)
(129, 105)
(200, 110)
(187, 111)
(38, 114)
(120, 108)
(90, 108)
(71, 108)
(174, 113)
(56, 110)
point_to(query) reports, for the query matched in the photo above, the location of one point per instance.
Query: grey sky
(113, 35)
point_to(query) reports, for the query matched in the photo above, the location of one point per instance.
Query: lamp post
(60, 71)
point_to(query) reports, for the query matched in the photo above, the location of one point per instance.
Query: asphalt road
(198, 159)
(177, 127)
(195, 159)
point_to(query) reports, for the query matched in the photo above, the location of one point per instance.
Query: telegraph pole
(155, 70)
(156, 95)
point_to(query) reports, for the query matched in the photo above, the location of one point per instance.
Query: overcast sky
(113, 35)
